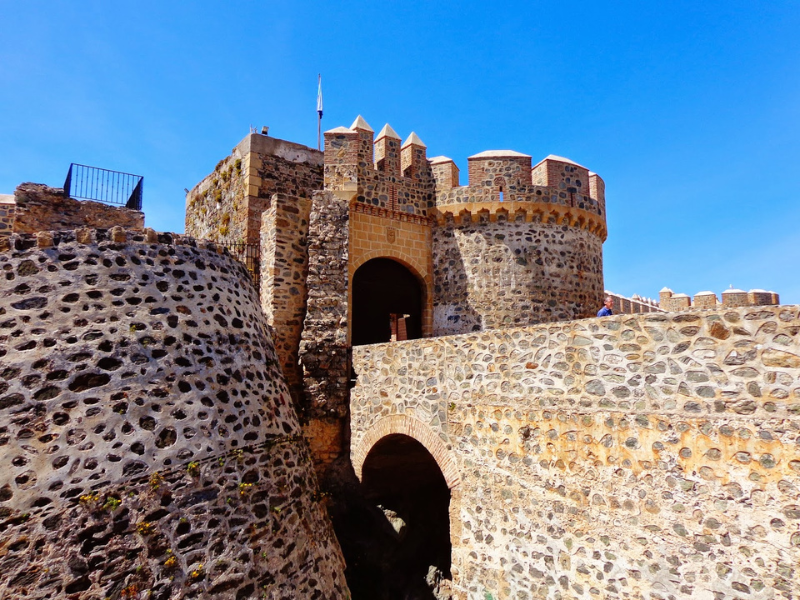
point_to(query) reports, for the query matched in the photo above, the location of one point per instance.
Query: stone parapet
(38, 207)
(732, 298)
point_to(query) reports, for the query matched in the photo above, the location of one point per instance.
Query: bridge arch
(415, 429)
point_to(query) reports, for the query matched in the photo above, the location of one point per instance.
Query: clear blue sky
(690, 111)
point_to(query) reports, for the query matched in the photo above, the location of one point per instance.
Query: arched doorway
(402, 480)
(387, 303)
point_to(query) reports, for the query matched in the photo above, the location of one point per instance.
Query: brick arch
(423, 275)
(415, 429)
(401, 257)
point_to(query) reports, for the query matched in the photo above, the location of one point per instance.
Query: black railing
(102, 185)
(250, 255)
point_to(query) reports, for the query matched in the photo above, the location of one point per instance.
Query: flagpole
(319, 111)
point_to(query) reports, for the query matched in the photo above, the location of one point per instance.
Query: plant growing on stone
(193, 468)
(112, 503)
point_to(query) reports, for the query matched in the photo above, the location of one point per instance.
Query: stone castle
(423, 354)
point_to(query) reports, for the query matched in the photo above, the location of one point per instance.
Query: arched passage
(403, 480)
(387, 301)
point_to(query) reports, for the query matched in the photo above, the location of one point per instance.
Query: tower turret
(445, 172)
(414, 162)
(387, 151)
(365, 134)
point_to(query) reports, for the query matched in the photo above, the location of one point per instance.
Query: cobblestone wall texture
(490, 275)
(148, 442)
(284, 269)
(42, 208)
(636, 456)
(324, 348)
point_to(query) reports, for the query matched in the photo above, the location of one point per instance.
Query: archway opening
(387, 303)
(403, 481)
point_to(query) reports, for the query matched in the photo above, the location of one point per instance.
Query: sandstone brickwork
(149, 444)
(42, 208)
(644, 456)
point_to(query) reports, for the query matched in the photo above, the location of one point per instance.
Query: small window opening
(501, 194)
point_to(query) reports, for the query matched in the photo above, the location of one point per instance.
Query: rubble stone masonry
(636, 456)
(148, 442)
(42, 208)
(324, 349)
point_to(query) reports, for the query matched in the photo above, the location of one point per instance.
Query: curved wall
(498, 274)
(146, 433)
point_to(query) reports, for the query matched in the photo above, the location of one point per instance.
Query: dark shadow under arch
(402, 480)
(383, 287)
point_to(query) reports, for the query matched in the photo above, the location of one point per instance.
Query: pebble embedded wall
(324, 348)
(42, 208)
(284, 269)
(491, 275)
(148, 440)
(644, 456)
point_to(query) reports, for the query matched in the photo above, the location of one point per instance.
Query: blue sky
(690, 111)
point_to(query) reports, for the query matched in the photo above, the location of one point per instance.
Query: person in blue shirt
(606, 310)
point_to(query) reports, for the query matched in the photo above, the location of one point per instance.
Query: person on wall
(606, 310)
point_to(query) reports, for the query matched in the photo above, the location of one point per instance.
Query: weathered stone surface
(559, 492)
(42, 208)
(149, 444)
(324, 348)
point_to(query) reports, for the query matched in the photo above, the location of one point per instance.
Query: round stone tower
(519, 245)
(148, 442)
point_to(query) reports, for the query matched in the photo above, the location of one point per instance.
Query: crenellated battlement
(503, 184)
(384, 173)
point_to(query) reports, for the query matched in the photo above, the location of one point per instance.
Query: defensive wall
(670, 301)
(622, 305)
(149, 444)
(37, 207)
(481, 261)
(635, 456)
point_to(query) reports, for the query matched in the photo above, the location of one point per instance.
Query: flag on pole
(319, 95)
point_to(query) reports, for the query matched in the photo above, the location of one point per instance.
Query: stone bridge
(646, 456)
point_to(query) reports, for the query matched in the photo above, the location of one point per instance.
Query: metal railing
(102, 185)
(250, 255)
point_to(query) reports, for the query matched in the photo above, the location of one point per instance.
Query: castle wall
(378, 233)
(494, 274)
(216, 208)
(148, 443)
(349, 166)
(646, 456)
(42, 208)
(324, 348)
(626, 306)
(284, 268)
(8, 208)
(227, 205)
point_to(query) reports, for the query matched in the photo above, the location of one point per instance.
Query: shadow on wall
(452, 310)
(394, 528)
(385, 292)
